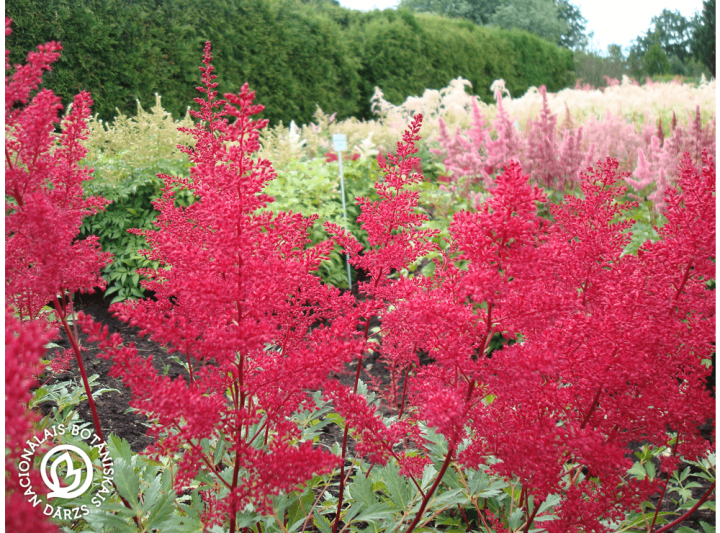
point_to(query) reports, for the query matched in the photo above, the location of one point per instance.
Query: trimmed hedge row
(295, 55)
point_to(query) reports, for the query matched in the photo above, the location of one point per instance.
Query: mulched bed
(115, 417)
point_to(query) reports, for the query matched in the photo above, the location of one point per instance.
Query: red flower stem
(686, 275)
(74, 316)
(236, 468)
(488, 326)
(344, 449)
(592, 408)
(691, 511)
(212, 467)
(482, 517)
(429, 493)
(667, 480)
(531, 518)
(402, 405)
(190, 370)
(260, 429)
(347, 426)
(369, 470)
(81, 366)
(657, 510)
(96, 420)
(465, 518)
(412, 478)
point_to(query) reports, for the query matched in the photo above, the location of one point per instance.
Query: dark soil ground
(115, 416)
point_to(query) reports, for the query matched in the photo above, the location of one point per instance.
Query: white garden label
(340, 142)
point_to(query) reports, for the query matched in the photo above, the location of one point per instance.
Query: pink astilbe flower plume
(542, 146)
(508, 144)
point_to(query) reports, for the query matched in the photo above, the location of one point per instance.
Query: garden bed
(116, 416)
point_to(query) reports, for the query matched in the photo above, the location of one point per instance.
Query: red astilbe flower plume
(44, 204)
(614, 356)
(236, 298)
(392, 222)
(44, 208)
(24, 346)
(611, 344)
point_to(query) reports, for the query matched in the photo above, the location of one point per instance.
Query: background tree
(673, 32)
(540, 17)
(703, 41)
(575, 37)
(655, 60)
(558, 21)
(447, 8)
(681, 40)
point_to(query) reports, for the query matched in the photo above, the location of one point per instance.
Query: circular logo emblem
(67, 471)
(76, 482)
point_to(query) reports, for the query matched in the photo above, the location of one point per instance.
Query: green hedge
(295, 55)
(404, 54)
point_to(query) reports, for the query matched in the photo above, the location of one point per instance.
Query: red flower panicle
(44, 208)
(24, 346)
(610, 346)
(601, 348)
(44, 204)
(235, 297)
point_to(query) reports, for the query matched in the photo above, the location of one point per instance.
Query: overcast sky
(612, 21)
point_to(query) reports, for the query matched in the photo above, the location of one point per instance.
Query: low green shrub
(313, 187)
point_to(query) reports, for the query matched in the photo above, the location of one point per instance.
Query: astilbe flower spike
(236, 298)
(396, 240)
(44, 195)
(24, 346)
(611, 345)
(45, 204)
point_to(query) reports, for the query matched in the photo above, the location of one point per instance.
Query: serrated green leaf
(150, 495)
(111, 290)
(187, 521)
(120, 448)
(551, 501)
(322, 523)
(39, 394)
(707, 528)
(160, 511)
(638, 471)
(709, 504)
(361, 490)
(127, 482)
(377, 511)
(100, 519)
(299, 507)
(350, 513)
(449, 498)
(650, 469)
(396, 485)
(219, 451)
